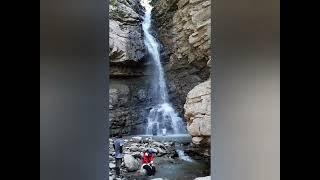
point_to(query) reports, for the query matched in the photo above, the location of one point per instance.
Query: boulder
(198, 112)
(158, 144)
(136, 139)
(131, 163)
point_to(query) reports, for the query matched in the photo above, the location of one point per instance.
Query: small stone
(134, 148)
(136, 139)
(112, 166)
(135, 144)
(158, 144)
(197, 140)
(154, 150)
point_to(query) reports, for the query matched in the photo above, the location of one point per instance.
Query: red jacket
(147, 159)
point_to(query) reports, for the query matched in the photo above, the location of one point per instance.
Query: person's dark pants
(151, 170)
(118, 164)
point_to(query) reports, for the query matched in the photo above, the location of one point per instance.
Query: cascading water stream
(162, 117)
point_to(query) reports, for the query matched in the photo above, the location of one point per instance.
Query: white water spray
(162, 116)
(183, 156)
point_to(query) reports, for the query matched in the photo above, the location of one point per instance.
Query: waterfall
(162, 117)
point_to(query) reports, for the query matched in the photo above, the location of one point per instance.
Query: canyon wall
(129, 72)
(183, 28)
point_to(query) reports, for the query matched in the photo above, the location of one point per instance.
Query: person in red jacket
(147, 162)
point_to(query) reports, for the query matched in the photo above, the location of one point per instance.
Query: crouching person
(147, 162)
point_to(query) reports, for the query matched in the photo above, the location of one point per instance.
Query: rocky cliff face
(129, 72)
(125, 31)
(183, 28)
